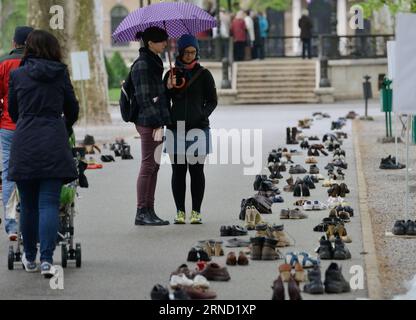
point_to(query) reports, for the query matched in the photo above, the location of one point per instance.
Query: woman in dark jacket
(147, 76)
(189, 139)
(43, 104)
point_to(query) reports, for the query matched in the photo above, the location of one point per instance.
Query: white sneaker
(29, 266)
(201, 282)
(180, 281)
(318, 205)
(308, 205)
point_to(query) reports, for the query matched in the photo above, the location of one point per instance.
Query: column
(342, 17)
(296, 14)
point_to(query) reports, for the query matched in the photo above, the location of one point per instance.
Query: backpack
(128, 104)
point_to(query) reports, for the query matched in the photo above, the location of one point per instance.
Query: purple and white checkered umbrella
(177, 18)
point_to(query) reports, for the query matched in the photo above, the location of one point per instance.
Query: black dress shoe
(159, 293)
(143, 218)
(156, 218)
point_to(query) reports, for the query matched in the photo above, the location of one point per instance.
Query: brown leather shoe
(199, 293)
(242, 259)
(214, 272)
(231, 259)
(278, 289)
(294, 291)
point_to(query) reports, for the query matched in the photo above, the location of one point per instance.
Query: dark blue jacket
(150, 91)
(43, 103)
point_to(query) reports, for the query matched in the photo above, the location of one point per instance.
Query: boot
(154, 216)
(294, 291)
(305, 190)
(294, 134)
(256, 247)
(315, 285)
(280, 235)
(144, 218)
(269, 250)
(278, 289)
(288, 136)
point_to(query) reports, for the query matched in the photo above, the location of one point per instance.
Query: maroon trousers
(151, 155)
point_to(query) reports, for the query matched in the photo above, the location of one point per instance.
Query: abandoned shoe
(341, 252)
(214, 272)
(399, 228)
(284, 214)
(297, 214)
(231, 259)
(335, 281)
(269, 250)
(315, 285)
(159, 293)
(313, 169)
(242, 259)
(325, 250)
(278, 289)
(285, 271)
(294, 290)
(410, 228)
(256, 247)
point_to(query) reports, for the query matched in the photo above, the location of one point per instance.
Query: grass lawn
(114, 94)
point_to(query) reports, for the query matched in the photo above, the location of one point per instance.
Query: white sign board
(404, 84)
(391, 58)
(80, 66)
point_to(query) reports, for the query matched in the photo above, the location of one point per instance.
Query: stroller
(67, 212)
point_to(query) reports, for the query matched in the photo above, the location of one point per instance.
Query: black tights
(179, 168)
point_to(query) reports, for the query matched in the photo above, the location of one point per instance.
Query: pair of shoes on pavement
(196, 217)
(327, 252)
(402, 228)
(334, 281)
(389, 163)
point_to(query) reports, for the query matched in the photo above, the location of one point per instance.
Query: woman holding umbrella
(191, 107)
(147, 74)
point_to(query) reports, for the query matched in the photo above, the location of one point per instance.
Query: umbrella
(177, 18)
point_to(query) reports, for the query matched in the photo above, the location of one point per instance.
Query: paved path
(121, 261)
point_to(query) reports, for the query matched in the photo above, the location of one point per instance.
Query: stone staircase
(276, 81)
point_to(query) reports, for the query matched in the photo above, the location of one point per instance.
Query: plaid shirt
(150, 91)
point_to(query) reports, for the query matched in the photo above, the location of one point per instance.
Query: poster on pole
(391, 58)
(404, 84)
(80, 66)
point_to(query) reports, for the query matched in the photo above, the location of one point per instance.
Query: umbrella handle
(176, 86)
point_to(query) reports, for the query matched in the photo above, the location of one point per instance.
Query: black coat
(195, 104)
(306, 26)
(43, 103)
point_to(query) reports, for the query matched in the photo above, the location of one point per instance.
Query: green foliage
(119, 70)
(13, 13)
(278, 5)
(395, 6)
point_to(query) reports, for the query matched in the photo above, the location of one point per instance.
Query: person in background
(225, 26)
(9, 63)
(257, 36)
(238, 31)
(264, 30)
(251, 37)
(43, 105)
(306, 26)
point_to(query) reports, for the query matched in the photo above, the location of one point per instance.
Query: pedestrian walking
(9, 63)
(306, 26)
(191, 109)
(147, 76)
(41, 161)
(238, 31)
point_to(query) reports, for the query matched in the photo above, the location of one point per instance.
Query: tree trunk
(82, 32)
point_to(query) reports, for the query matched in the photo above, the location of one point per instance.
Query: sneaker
(196, 217)
(180, 218)
(30, 266)
(46, 269)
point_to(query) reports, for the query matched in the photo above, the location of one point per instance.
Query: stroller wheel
(64, 255)
(78, 255)
(10, 260)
